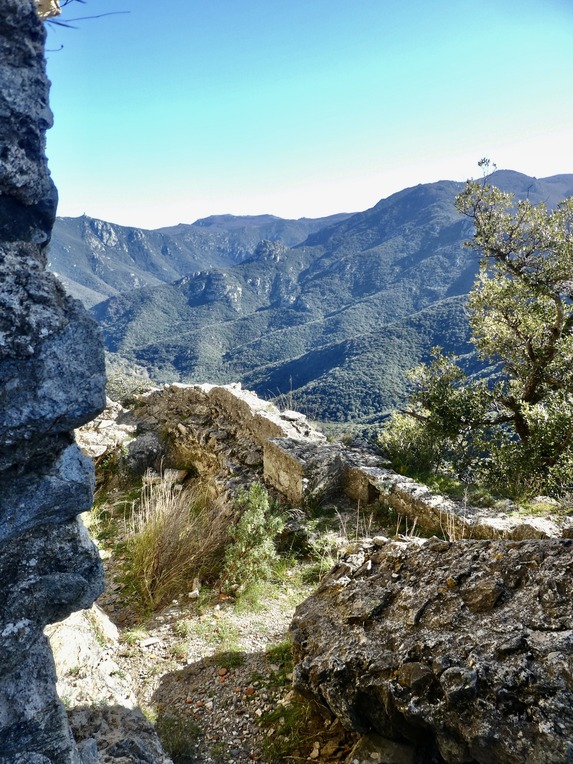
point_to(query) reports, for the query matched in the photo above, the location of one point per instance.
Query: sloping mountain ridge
(95, 259)
(333, 323)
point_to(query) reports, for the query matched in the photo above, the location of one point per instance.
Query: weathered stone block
(459, 651)
(302, 470)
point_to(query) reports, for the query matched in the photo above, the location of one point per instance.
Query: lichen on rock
(458, 652)
(52, 379)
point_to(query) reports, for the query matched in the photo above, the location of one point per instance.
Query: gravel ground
(208, 677)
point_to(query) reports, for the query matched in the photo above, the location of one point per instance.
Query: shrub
(410, 447)
(250, 556)
(510, 430)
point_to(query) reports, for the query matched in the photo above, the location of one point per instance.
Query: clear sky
(180, 109)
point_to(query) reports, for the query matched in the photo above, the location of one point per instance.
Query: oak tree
(513, 429)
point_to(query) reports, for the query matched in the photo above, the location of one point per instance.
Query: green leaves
(446, 411)
(249, 558)
(515, 432)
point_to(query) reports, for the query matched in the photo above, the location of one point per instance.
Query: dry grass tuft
(174, 535)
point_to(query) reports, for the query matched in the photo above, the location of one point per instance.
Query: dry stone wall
(231, 434)
(365, 481)
(220, 432)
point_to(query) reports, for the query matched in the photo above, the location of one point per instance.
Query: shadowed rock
(459, 652)
(51, 380)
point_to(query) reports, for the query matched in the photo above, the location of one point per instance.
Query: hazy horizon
(302, 110)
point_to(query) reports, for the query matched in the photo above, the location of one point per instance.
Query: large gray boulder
(52, 379)
(455, 652)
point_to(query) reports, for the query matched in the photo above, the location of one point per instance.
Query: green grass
(133, 636)
(542, 508)
(179, 737)
(218, 632)
(230, 659)
(280, 654)
(173, 536)
(183, 628)
(179, 650)
(293, 731)
(250, 599)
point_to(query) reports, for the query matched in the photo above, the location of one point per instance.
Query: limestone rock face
(27, 194)
(51, 380)
(102, 708)
(458, 652)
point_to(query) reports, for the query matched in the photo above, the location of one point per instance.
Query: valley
(329, 313)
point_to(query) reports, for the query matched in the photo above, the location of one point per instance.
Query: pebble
(150, 641)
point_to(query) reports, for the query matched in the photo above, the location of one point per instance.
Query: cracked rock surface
(51, 380)
(458, 652)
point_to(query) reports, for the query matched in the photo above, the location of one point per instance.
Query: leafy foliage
(515, 429)
(250, 556)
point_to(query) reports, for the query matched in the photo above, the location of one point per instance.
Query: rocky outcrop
(103, 712)
(433, 650)
(51, 381)
(446, 652)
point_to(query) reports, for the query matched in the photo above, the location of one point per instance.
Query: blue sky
(174, 111)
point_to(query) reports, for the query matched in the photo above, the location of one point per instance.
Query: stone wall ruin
(231, 433)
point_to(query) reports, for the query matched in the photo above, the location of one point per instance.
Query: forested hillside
(333, 323)
(96, 259)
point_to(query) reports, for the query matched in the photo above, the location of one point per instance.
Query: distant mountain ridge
(95, 259)
(333, 323)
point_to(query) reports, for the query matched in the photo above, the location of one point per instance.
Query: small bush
(250, 556)
(411, 448)
(179, 736)
(174, 535)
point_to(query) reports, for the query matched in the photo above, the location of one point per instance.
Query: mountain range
(331, 323)
(95, 259)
